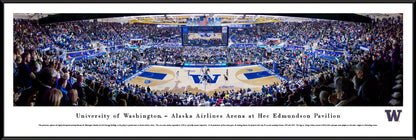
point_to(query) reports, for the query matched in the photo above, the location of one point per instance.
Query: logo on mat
(393, 115)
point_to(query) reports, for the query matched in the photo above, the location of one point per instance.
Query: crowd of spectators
(357, 78)
(80, 35)
(193, 54)
(247, 55)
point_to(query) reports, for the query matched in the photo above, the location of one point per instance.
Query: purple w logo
(198, 78)
(393, 115)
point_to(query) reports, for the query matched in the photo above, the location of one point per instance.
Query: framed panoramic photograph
(189, 70)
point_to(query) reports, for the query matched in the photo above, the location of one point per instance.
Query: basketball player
(205, 69)
(177, 74)
(208, 79)
(226, 75)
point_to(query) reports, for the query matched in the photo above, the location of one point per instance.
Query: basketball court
(191, 79)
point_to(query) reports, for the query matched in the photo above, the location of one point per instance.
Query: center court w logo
(198, 78)
(393, 115)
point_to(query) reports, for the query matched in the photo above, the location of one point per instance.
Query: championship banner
(188, 22)
(217, 22)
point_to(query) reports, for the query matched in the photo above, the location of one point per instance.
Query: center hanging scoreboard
(205, 36)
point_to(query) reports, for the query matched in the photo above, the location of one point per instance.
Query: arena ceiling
(180, 19)
(226, 19)
(32, 16)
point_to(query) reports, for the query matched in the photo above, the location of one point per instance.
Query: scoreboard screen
(205, 36)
